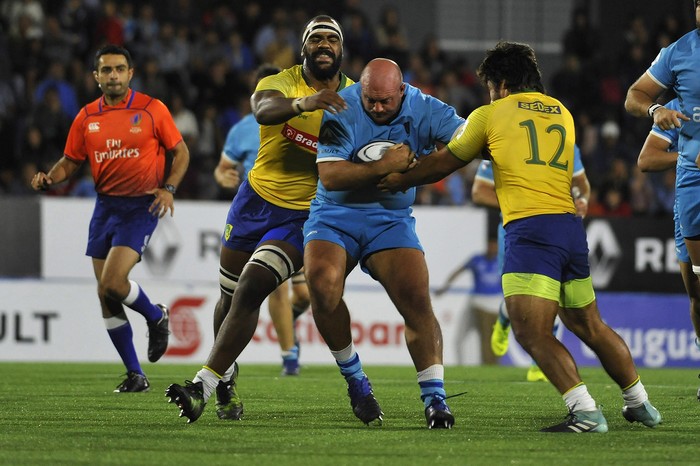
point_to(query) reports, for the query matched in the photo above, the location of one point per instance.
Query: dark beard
(323, 74)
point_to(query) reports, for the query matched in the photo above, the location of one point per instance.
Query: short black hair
(513, 63)
(266, 69)
(112, 49)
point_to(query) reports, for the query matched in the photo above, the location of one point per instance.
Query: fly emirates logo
(116, 151)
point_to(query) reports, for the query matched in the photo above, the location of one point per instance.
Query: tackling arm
(342, 175)
(428, 170)
(273, 107)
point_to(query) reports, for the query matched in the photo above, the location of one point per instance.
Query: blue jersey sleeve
(485, 171)
(660, 69)
(242, 143)
(336, 138)
(578, 164)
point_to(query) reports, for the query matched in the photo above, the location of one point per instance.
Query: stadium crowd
(198, 58)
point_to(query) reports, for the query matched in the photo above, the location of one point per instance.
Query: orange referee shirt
(125, 144)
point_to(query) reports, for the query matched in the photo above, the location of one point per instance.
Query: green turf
(67, 414)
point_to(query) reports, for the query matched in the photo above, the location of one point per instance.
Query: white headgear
(326, 24)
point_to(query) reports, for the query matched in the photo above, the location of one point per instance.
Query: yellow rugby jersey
(530, 138)
(284, 173)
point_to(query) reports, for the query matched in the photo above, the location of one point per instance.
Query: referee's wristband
(297, 106)
(652, 108)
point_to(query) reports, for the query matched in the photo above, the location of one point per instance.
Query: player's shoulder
(416, 97)
(141, 100)
(89, 109)
(351, 93)
(246, 124)
(288, 75)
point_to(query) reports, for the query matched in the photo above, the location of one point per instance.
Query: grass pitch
(54, 414)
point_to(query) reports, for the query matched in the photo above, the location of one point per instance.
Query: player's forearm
(637, 102)
(657, 161)
(345, 176)
(582, 185)
(484, 194)
(275, 111)
(181, 160)
(62, 170)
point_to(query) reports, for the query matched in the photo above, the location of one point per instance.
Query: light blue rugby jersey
(422, 121)
(242, 143)
(485, 170)
(676, 66)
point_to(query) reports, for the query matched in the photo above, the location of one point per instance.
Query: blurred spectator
(128, 20)
(186, 123)
(452, 92)
(83, 81)
(206, 49)
(53, 122)
(587, 137)
(418, 75)
(433, 56)
(617, 182)
(250, 20)
(173, 54)
(220, 86)
(109, 28)
(58, 45)
(239, 55)
(56, 80)
(270, 32)
(207, 152)
(358, 37)
(573, 85)
(636, 32)
(642, 197)
(149, 80)
(279, 51)
(581, 39)
(185, 120)
(614, 204)
(34, 149)
(609, 151)
(76, 19)
(20, 14)
(392, 39)
(666, 192)
(595, 206)
(8, 123)
(146, 27)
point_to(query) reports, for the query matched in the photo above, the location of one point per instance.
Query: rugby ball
(373, 151)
